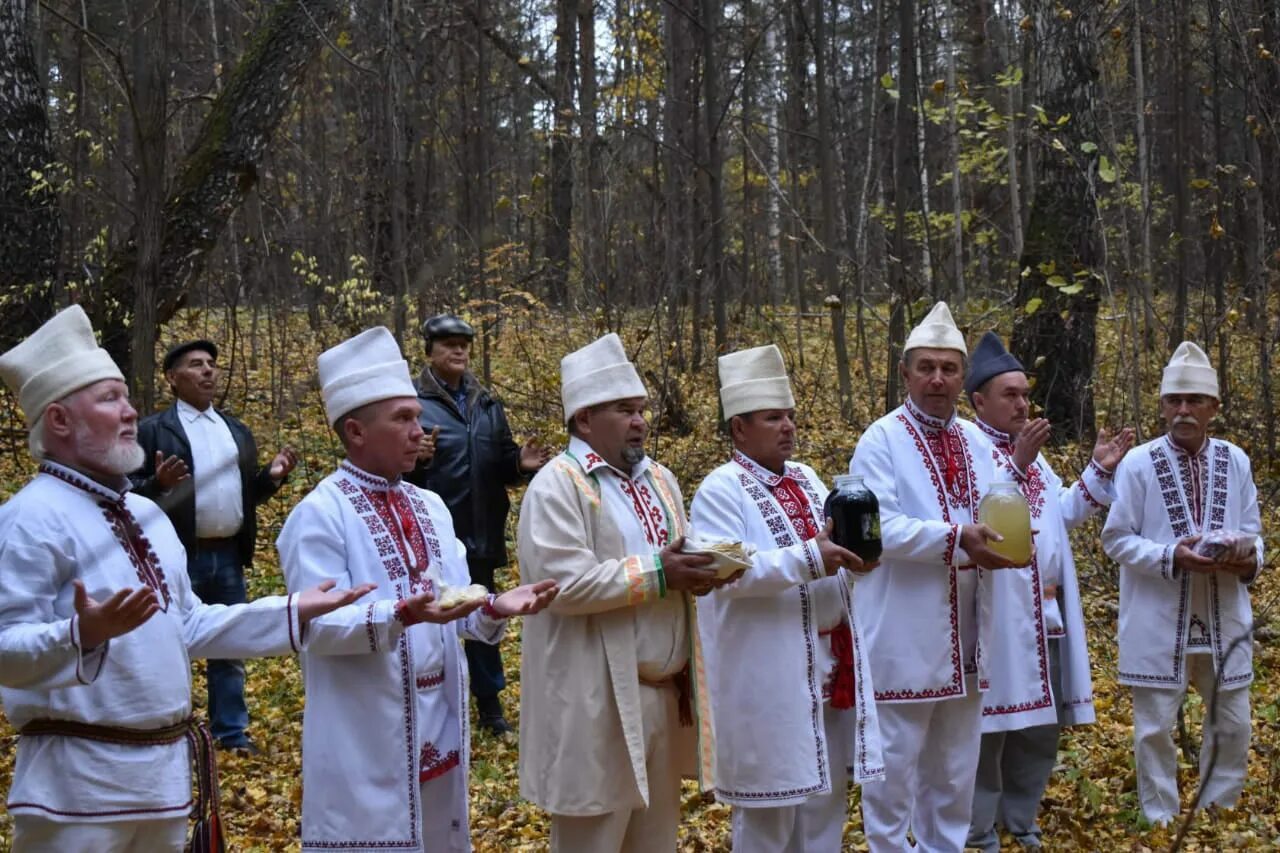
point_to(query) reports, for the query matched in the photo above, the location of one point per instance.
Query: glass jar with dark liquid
(856, 513)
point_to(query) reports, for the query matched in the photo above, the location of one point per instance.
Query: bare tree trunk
(595, 265)
(221, 168)
(1181, 203)
(953, 133)
(30, 220)
(1063, 243)
(711, 109)
(560, 192)
(1144, 180)
(906, 178)
(149, 61)
(773, 120)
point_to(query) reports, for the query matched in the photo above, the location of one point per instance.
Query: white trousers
(651, 830)
(444, 813)
(931, 759)
(34, 834)
(1155, 711)
(817, 824)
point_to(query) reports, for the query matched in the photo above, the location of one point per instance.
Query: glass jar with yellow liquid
(1005, 511)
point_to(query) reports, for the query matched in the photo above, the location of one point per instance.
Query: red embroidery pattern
(125, 527)
(1045, 699)
(433, 765)
(431, 679)
(651, 514)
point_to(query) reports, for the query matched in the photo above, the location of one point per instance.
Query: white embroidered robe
(927, 615)
(1055, 508)
(1163, 495)
(386, 703)
(581, 739)
(764, 629)
(62, 527)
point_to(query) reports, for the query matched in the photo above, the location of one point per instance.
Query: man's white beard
(632, 455)
(120, 457)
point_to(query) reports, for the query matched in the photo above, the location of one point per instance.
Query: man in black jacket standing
(202, 469)
(468, 459)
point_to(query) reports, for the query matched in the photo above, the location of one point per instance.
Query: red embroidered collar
(592, 461)
(998, 436)
(73, 477)
(926, 420)
(763, 474)
(365, 479)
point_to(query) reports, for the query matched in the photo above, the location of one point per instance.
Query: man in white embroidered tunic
(97, 617)
(1020, 741)
(782, 762)
(385, 736)
(1182, 613)
(606, 716)
(928, 614)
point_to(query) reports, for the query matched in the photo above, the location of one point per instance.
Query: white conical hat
(937, 331)
(598, 373)
(362, 370)
(56, 359)
(754, 379)
(1189, 372)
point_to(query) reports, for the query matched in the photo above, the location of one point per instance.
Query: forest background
(1097, 180)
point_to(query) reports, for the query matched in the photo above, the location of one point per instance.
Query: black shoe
(496, 725)
(239, 747)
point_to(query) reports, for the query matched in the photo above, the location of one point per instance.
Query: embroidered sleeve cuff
(1096, 486)
(1167, 569)
(405, 616)
(89, 662)
(646, 581)
(813, 560)
(954, 555)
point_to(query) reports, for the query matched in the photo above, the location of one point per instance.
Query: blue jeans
(218, 578)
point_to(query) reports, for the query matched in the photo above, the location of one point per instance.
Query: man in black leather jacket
(202, 469)
(469, 458)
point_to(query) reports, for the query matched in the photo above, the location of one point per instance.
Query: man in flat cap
(1020, 739)
(470, 459)
(202, 468)
(98, 621)
(783, 761)
(607, 675)
(385, 739)
(1185, 616)
(929, 615)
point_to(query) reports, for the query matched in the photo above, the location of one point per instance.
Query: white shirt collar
(190, 413)
(592, 461)
(1178, 449)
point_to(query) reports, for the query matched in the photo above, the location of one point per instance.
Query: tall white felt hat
(937, 331)
(1189, 372)
(362, 370)
(754, 379)
(58, 358)
(598, 373)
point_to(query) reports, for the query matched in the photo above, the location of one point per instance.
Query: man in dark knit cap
(1020, 743)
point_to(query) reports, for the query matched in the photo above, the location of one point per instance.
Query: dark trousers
(483, 660)
(218, 578)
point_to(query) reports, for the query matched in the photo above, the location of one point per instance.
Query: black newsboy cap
(447, 326)
(179, 350)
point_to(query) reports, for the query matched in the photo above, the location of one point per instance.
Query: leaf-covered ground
(1091, 803)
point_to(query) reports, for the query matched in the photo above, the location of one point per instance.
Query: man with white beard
(97, 617)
